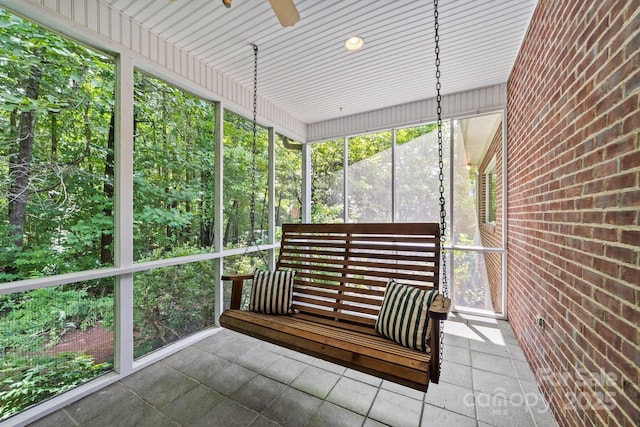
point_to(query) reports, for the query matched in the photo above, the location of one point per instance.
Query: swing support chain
(252, 202)
(443, 212)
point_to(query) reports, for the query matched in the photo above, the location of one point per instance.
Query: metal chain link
(254, 149)
(443, 212)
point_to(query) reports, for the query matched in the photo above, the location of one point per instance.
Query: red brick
(593, 337)
(630, 237)
(622, 181)
(631, 160)
(582, 231)
(595, 248)
(587, 145)
(594, 217)
(621, 362)
(629, 408)
(632, 314)
(596, 33)
(630, 198)
(609, 167)
(583, 259)
(632, 350)
(604, 233)
(631, 123)
(606, 104)
(584, 203)
(631, 405)
(605, 201)
(598, 123)
(612, 303)
(628, 106)
(621, 74)
(630, 274)
(622, 291)
(633, 83)
(627, 30)
(584, 175)
(626, 255)
(606, 267)
(621, 217)
(592, 277)
(620, 147)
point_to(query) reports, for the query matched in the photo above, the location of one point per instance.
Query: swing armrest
(440, 307)
(237, 280)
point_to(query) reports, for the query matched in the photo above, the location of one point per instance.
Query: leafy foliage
(60, 94)
(172, 302)
(174, 169)
(36, 319)
(327, 181)
(32, 323)
(244, 183)
(26, 381)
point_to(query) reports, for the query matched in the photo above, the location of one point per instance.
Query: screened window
(174, 157)
(327, 181)
(369, 178)
(245, 191)
(56, 212)
(417, 174)
(56, 153)
(288, 202)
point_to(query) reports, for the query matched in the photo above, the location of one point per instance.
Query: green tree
(174, 168)
(56, 103)
(242, 182)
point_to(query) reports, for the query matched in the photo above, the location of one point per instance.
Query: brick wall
(491, 234)
(573, 197)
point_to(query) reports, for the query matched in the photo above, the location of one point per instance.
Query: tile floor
(232, 380)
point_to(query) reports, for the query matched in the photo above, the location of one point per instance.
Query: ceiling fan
(285, 10)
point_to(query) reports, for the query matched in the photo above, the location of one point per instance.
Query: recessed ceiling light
(354, 43)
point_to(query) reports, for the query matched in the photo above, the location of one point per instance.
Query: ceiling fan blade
(286, 12)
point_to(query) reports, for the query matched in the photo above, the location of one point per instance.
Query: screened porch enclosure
(203, 195)
(145, 153)
(207, 198)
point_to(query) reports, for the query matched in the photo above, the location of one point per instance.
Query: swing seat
(342, 271)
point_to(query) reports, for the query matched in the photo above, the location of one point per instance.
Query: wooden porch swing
(364, 296)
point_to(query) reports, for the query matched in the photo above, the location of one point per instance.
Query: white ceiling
(306, 70)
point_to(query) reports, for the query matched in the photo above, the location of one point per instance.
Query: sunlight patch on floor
(494, 334)
(458, 325)
(461, 330)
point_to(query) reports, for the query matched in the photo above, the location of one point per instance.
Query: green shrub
(33, 319)
(172, 302)
(27, 381)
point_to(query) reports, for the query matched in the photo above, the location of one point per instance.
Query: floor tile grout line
(424, 403)
(372, 402)
(529, 409)
(473, 389)
(68, 414)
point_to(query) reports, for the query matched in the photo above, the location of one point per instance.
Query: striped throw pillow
(404, 315)
(272, 292)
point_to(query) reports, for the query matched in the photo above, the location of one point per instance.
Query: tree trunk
(54, 135)
(106, 239)
(206, 210)
(278, 220)
(20, 165)
(230, 225)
